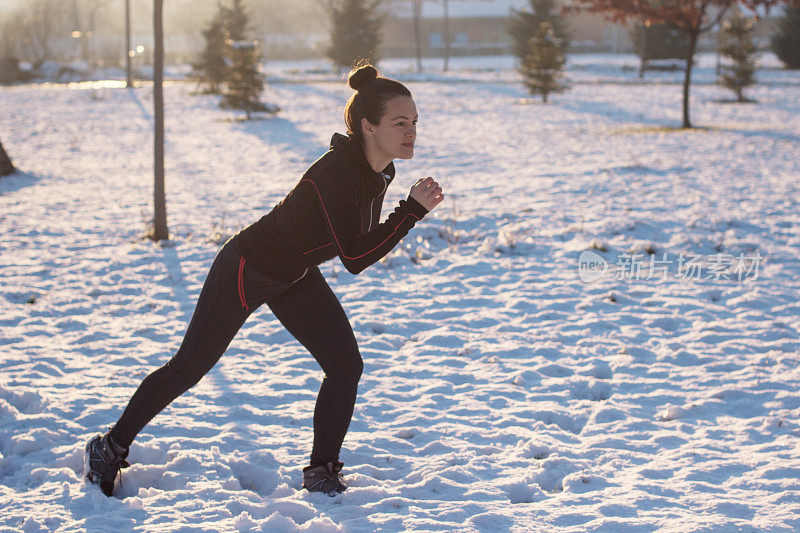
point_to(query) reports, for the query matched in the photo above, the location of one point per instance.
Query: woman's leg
(311, 312)
(217, 317)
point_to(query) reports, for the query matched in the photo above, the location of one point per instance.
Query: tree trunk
(6, 167)
(446, 36)
(128, 80)
(417, 38)
(643, 50)
(92, 55)
(159, 230)
(688, 78)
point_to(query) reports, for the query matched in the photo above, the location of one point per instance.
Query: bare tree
(417, 38)
(91, 9)
(46, 21)
(128, 77)
(159, 229)
(12, 34)
(446, 34)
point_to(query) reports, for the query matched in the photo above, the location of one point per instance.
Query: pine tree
(355, 32)
(245, 82)
(524, 24)
(786, 41)
(542, 67)
(212, 69)
(738, 47)
(236, 21)
(230, 63)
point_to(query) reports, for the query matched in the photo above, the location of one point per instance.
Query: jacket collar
(350, 145)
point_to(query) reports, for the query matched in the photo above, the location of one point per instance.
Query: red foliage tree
(692, 16)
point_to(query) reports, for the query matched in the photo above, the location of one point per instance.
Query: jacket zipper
(385, 186)
(369, 227)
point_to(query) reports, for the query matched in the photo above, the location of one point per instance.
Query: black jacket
(333, 210)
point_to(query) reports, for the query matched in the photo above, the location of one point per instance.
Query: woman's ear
(367, 128)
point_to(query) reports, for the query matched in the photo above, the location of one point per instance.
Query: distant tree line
(91, 30)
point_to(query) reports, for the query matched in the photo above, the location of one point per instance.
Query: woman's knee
(356, 363)
(346, 370)
(184, 377)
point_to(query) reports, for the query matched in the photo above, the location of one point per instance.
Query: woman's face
(397, 131)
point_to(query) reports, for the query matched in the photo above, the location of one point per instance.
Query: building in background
(479, 27)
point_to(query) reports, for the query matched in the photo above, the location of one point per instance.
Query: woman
(333, 210)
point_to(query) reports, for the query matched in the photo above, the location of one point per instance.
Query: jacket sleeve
(343, 219)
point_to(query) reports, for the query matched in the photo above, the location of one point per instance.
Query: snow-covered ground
(503, 390)
(581, 68)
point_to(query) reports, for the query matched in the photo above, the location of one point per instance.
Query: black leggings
(309, 310)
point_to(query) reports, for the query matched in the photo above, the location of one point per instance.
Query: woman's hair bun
(360, 77)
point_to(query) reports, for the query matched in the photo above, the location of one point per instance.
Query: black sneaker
(325, 478)
(102, 461)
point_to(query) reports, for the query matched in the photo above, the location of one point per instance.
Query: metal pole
(446, 36)
(129, 81)
(417, 15)
(160, 216)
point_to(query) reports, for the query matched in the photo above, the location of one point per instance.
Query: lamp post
(76, 34)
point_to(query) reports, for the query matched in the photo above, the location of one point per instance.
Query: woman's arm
(340, 211)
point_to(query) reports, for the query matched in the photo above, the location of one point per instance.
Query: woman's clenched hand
(427, 192)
